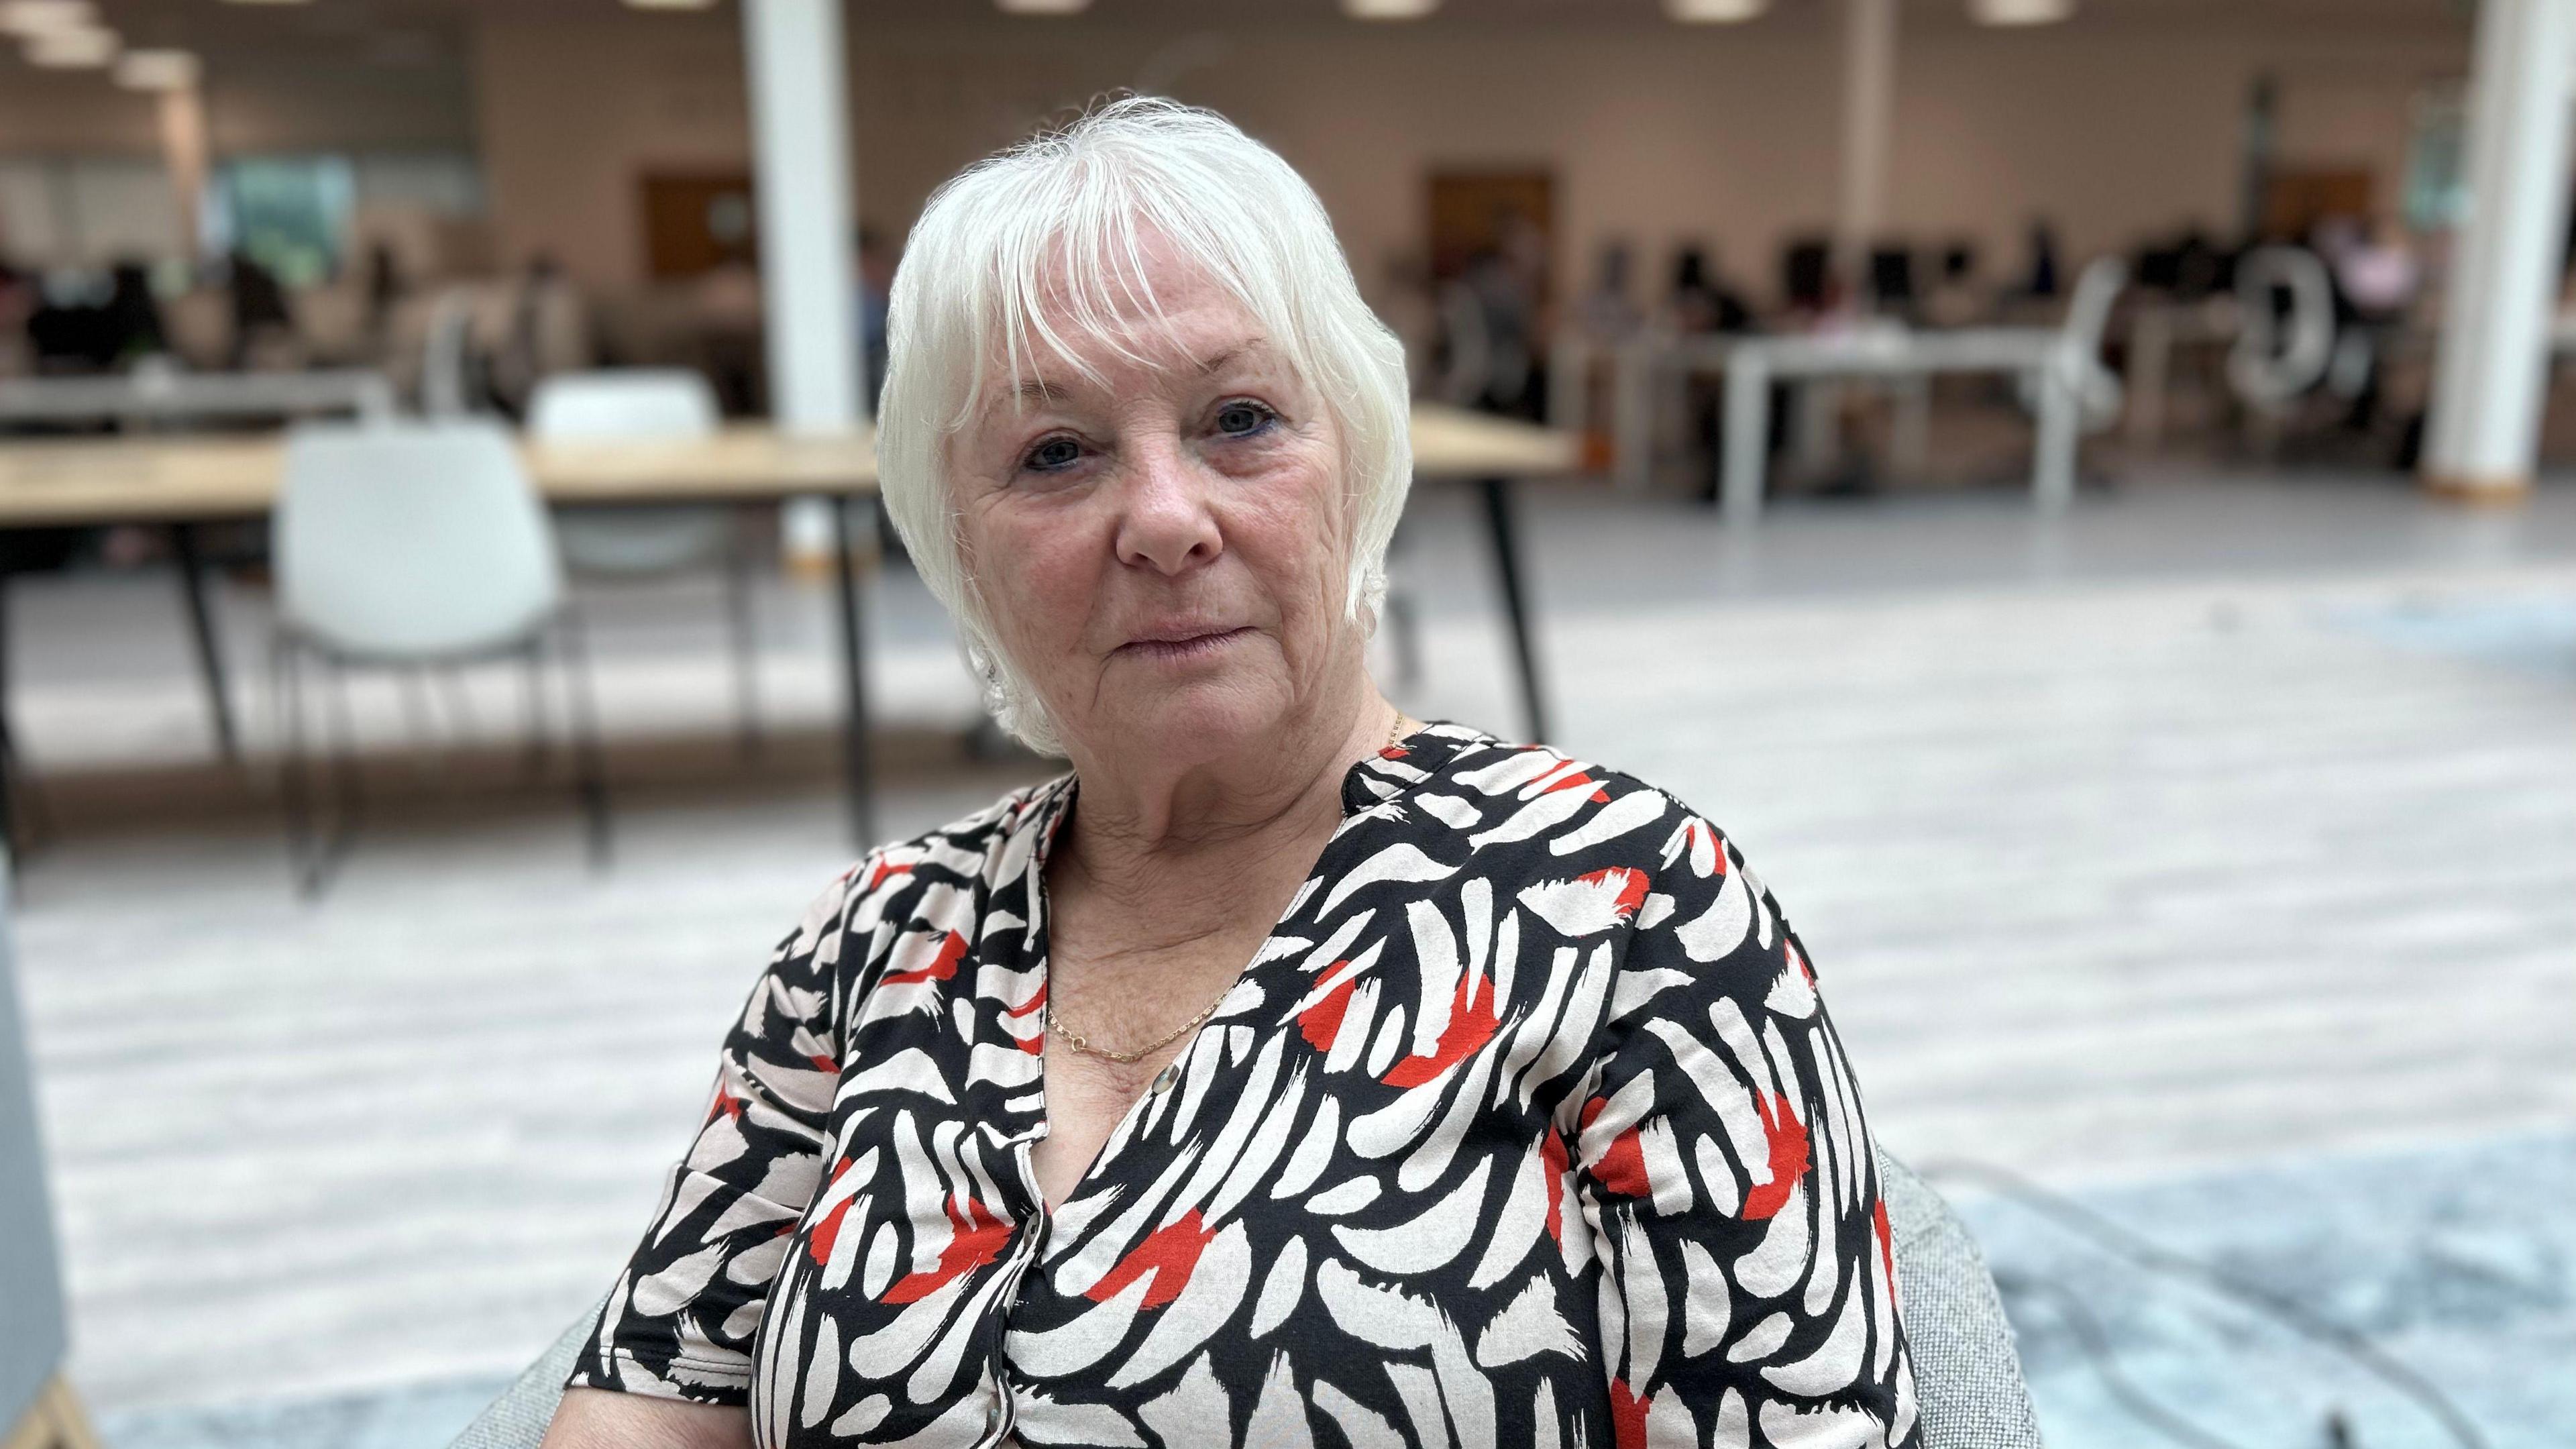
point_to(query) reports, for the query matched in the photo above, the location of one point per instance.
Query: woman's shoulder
(1582, 844)
(987, 846)
(1557, 805)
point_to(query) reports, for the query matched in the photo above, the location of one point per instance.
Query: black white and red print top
(1524, 1127)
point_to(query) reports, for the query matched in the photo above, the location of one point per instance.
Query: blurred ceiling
(416, 32)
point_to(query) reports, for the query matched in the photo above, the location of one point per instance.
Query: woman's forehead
(1192, 328)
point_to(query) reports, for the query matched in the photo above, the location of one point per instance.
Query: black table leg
(201, 624)
(858, 776)
(1498, 523)
(8, 742)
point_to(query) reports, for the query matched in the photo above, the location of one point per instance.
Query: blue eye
(1052, 455)
(1243, 418)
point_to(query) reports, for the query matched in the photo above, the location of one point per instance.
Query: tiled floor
(2224, 826)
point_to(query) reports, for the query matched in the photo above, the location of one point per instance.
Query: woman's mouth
(1182, 651)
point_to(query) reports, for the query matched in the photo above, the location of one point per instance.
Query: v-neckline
(1039, 942)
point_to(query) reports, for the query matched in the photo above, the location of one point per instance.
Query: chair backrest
(2088, 316)
(411, 541)
(2276, 358)
(1968, 1386)
(637, 404)
(32, 1335)
(642, 403)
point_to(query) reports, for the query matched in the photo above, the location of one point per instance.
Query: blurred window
(288, 213)
(85, 211)
(2437, 164)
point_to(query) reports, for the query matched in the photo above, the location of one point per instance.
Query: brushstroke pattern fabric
(1524, 1126)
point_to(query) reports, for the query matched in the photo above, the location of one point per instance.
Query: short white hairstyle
(1052, 232)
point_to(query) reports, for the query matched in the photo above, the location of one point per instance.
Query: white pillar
(183, 152)
(2483, 437)
(801, 157)
(1869, 99)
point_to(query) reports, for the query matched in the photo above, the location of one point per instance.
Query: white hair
(1065, 217)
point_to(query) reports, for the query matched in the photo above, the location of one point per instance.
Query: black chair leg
(309, 857)
(745, 638)
(532, 685)
(590, 767)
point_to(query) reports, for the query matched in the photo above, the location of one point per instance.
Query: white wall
(2111, 127)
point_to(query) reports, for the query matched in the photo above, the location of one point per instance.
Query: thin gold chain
(1076, 1040)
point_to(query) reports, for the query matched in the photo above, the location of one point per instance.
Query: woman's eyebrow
(1233, 354)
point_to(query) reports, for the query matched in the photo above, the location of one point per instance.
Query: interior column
(2483, 437)
(801, 177)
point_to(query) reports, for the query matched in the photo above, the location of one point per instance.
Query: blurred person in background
(1226, 1087)
(2039, 271)
(18, 298)
(1702, 300)
(2378, 273)
(547, 332)
(385, 290)
(875, 278)
(1609, 312)
(1490, 326)
(132, 316)
(2376, 280)
(263, 323)
(1702, 303)
(1955, 298)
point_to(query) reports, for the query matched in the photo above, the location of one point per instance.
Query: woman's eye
(1242, 419)
(1053, 455)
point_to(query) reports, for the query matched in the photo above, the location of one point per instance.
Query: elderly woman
(1289, 1071)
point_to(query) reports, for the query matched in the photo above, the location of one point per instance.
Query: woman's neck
(1145, 833)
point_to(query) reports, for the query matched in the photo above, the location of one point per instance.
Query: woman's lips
(1179, 651)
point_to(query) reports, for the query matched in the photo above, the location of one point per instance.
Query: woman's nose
(1166, 522)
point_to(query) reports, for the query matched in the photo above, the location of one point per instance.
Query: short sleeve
(1748, 1283)
(682, 1318)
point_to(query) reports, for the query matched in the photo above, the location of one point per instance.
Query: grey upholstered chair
(1966, 1375)
(33, 1396)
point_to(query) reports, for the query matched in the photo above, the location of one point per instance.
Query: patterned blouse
(1524, 1127)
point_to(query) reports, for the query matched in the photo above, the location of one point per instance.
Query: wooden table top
(77, 481)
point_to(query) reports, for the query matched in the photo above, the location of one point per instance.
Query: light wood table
(179, 483)
(182, 482)
(1488, 453)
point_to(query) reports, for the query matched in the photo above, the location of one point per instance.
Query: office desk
(150, 396)
(2044, 355)
(179, 483)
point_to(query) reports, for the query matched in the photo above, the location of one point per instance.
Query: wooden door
(696, 221)
(1477, 211)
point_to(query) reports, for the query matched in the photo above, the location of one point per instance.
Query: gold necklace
(1086, 1047)
(1079, 1043)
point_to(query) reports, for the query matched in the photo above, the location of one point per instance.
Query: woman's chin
(1205, 718)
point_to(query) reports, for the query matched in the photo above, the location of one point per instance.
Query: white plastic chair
(2279, 360)
(416, 545)
(644, 405)
(2098, 390)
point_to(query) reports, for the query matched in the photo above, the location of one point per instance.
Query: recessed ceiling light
(1388, 9)
(1714, 12)
(2019, 12)
(44, 17)
(156, 70)
(71, 49)
(1043, 7)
